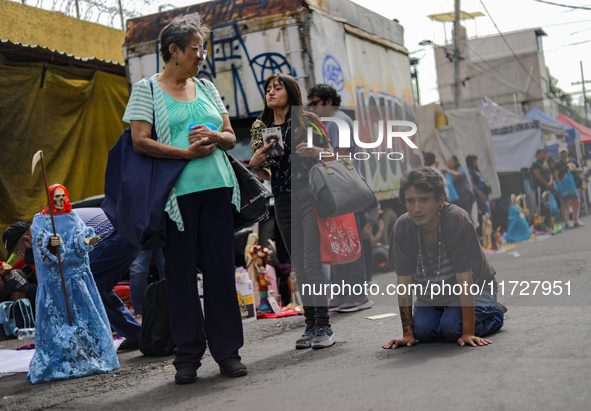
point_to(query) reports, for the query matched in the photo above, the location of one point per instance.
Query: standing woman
(200, 229)
(294, 207)
(462, 184)
(478, 185)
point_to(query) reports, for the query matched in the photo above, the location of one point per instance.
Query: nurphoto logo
(390, 132)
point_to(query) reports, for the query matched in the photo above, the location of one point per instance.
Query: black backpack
(156, 339)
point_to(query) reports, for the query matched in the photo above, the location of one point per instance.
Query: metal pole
(121, 15)
(456, 60)
(416, 73)
(584, 95)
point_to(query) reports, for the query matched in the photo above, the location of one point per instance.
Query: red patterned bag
(339, 239)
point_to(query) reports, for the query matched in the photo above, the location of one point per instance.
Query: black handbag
(338, 188)
(254, 197)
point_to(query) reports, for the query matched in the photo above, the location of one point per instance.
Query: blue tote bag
(137, 187)
(453, 194)
(566, 187)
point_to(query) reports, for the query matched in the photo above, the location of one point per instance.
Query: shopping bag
(339, 239)
(453, 194)
(554, 206)
(137, 187)
(254, 197)
(338, 188)
(566, 187)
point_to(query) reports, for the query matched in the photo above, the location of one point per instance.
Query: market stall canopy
(461, 133)
(584, 132)
(550, 125)
(515, 139)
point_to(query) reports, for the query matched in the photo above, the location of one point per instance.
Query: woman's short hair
(423, 179)
(180, 31)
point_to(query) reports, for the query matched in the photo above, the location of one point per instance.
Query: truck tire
(389, 218)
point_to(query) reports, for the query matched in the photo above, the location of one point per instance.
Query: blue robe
(86, 347)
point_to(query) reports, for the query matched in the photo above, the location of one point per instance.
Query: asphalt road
(538, 361)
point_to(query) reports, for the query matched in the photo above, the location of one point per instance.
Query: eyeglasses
(200, 51)
(314, 103)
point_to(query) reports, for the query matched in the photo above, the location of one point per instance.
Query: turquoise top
(199, 174)
(147, 104)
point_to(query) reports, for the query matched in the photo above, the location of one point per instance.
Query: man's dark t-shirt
(461, 252)
(544, 172)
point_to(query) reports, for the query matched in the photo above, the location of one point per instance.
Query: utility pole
(456, 61)
(414, 62)
(584, 94)
(121, 15)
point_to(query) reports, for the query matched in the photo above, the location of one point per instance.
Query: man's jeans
(432, 323)
(138, 276)
(109, 261)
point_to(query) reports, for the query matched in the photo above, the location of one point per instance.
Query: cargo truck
(336, 42)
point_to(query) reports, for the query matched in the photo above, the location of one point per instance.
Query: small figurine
(486, 232)
(261, 272)
(498, 240)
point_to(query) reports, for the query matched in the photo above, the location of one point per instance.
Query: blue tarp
(558, 129)
(572, 134)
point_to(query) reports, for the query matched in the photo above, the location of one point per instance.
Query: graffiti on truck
(228, 54)
(332, 73)
(373, 107)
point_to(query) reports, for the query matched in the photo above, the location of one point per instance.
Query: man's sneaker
(362, 305)
(324, 337)
(334, 305)
(305, 341)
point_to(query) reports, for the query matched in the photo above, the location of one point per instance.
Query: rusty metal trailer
(336, 42)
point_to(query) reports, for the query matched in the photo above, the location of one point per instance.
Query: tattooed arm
(405, 305)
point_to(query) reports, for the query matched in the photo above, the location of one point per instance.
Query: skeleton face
(58, 198)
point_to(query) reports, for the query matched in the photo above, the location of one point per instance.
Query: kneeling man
(435, 251)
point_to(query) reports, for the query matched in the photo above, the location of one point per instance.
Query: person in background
(200, 229)
(561, 168)
(138, 277)
(462, 183)
(294, 206)
(110, 260)
(430, 161)
(325, 102)
(13, 283)
(542, 179)
(480, 187)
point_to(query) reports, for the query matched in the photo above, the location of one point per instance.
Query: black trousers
(296, 218)
(207, 243)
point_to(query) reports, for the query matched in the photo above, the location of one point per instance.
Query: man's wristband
(257, 170)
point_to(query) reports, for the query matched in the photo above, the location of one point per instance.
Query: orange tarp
(585, 132)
